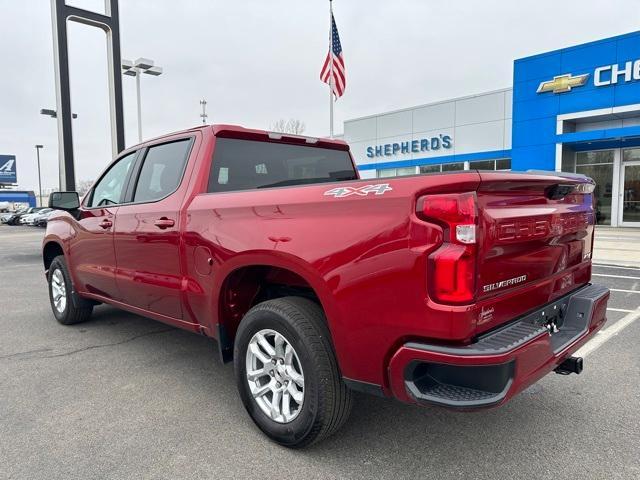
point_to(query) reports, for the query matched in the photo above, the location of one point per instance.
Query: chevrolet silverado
(457, 289)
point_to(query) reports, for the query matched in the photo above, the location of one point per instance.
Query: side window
(108, 191)
(162, 170)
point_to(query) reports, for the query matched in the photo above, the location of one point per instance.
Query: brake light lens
(452, 267)
(455, 211)
(453, 274)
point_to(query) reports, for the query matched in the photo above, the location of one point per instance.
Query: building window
(594, 158)
(429, 168)
(387, 172)
(599, 166)
(568, 161)
(406, 171)
(444, 167)
(503, 164)
(396, 172)
(631, 155)
(483, 165)
(630, 187)
(450, 167)
(498, 164)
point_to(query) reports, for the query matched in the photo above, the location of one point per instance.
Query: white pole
(331, 70)
(38, 147)
(138, 72)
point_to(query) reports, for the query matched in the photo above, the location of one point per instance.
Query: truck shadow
(380, 432)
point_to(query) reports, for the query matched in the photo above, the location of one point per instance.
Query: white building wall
(476, 123)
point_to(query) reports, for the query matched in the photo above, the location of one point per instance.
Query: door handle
(164, 222)
(106, 224)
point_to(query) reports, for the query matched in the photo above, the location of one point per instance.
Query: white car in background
(24, 218)
(33, 218)
(42, 218)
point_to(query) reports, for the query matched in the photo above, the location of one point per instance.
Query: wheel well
(51, 250)
(248, 286)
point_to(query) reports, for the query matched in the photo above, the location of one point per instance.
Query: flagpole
(331, 69)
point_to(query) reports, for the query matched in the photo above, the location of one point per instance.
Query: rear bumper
(499, 364)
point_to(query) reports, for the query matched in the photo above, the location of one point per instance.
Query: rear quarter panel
(365, 256)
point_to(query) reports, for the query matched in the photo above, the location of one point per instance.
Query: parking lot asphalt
(121, 396)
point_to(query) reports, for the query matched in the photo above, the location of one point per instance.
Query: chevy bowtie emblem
(563, 83)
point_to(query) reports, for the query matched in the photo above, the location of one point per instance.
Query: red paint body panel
(365, 256)
(91, 248)
(149, 266)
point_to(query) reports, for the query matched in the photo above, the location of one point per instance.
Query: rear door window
(247, 164)
(162, 170)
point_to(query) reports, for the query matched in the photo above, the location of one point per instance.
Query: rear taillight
(452, 267)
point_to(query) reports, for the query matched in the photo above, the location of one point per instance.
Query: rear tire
(308, 366)
(61, 294)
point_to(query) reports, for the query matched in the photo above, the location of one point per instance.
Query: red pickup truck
(457, 289)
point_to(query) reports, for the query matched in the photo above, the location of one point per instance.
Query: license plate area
(551, 316)
(569, 317)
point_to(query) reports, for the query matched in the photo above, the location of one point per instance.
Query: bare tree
(83, 186)
(292, 125)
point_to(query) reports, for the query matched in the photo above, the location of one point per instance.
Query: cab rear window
(248, 164)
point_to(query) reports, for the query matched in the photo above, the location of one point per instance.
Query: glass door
(598, 164)
(630, 194)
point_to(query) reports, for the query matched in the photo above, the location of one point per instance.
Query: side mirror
(64, 201)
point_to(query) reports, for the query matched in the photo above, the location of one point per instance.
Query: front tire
(287, 373)
(61, 294)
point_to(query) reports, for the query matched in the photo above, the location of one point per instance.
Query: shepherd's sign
(413, 146)
(8, 169)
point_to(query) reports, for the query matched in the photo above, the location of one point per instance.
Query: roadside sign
(8, 169)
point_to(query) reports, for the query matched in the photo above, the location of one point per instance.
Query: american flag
(333, 72)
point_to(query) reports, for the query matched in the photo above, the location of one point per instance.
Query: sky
(257, 61)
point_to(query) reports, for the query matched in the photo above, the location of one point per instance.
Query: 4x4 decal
(377, 189)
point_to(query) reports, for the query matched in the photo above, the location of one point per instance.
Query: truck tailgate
(534, 229)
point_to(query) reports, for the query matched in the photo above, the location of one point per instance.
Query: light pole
(131, 69)
(53, 114)
(38, 147)
(204, 115)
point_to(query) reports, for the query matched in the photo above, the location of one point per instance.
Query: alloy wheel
(58, 291)
(275, 376)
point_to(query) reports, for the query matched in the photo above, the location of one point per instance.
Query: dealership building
(576, 109)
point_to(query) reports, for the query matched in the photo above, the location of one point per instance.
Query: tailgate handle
(558, 191)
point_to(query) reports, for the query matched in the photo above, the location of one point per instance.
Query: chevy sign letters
(414, 146)
(602, 77)
(8, 169)
(610, 74)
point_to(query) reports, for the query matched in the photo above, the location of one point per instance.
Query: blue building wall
(535, 114)
(15, 196)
